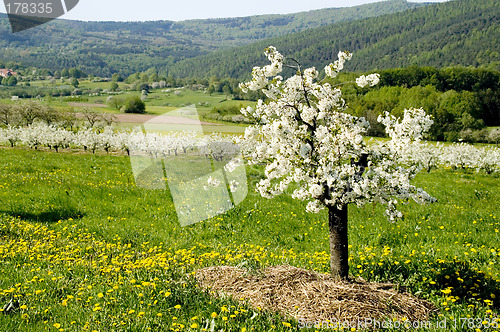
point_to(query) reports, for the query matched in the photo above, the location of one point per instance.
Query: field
(159, 102)
(82, 248)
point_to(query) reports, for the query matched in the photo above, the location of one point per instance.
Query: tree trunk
(339, 250)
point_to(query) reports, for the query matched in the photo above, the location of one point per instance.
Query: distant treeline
(463, 101)
(452, 78)
(459, 32)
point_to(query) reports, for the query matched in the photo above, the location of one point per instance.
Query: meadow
(159, 100)
(83, 249)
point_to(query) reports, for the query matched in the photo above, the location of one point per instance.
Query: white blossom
(371, 80)
(304, 137)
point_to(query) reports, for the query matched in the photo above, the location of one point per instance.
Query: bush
(76, 92)
(451, 136)
(494, 135)
(134, 105)
(115, 102)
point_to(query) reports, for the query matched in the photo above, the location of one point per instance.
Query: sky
(152, 10)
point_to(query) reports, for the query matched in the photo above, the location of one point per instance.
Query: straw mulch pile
(312, 296)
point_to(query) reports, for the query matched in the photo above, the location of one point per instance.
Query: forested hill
(244, 30)
(459, 32)
(103, 48)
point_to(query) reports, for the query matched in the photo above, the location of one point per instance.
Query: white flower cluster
(371, 80)
(407, 133)
(211, 182)
(407, 147)
(304, 137)
(333, 69)
(260, 75)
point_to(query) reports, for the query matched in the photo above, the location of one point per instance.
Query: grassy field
(157, 102)
(83, 249)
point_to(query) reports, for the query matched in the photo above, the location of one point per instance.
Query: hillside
(460, 32)
(103, 48)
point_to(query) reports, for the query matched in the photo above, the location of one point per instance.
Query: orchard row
(427, 155)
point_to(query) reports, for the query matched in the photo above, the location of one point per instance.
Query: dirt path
(86, 105)
(141, 118)
(155, 119)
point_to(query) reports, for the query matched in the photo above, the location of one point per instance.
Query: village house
(7, 72)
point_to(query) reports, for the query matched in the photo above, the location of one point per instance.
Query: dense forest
(463, 101)
(104, 48)
(459, 32)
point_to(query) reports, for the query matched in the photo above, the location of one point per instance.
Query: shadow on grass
(51, 216)
(466, 282)
(452, 277)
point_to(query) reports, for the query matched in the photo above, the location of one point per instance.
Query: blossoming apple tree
(304, 136)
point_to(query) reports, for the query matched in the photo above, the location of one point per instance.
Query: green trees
(115, 102)
(458, 32)
(440, 35)
(9, 81)
(452, 111)
(116, 77)
(134, 105)
(74, 82)
(126, 47)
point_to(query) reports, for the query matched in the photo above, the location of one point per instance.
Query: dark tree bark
(339, 244)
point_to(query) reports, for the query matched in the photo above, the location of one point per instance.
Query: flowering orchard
(425, 154)
(153, 144)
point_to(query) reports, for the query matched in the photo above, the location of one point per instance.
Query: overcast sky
(151, 10)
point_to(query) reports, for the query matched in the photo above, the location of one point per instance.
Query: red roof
(7, 72)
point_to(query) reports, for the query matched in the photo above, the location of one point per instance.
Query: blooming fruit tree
(304, 136)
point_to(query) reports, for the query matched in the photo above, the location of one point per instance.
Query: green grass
(78, 222)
